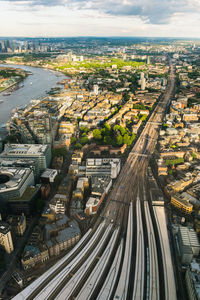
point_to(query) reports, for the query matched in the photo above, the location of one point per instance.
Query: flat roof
(170, 288)
(24, 149)
(15, 177)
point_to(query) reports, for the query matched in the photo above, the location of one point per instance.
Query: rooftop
(12, 178)
(24, 149)
(4, 228)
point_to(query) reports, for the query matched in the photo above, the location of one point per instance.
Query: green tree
(132, 138)
(122, 130)
(84, 140)
(59, 152)
(84, 129)
(78, 146)
(97, 134)
(107, 126)
(108, 140)
(116, 127)
(73, 140)
(119, 140)
(126, 97)
(126, 139)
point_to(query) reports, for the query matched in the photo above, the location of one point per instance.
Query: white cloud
(96, 17)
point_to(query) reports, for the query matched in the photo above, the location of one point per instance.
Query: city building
(26, 203)
(103, 167)
(5, 237)
(188, 243)
(33, 255)
(192, 279)
(14, 181)
(40, 153)
(92, 206)
(13, 162)
(58, 204)
(61, 235)
(17, 224)
(181, 203)
(49, 175)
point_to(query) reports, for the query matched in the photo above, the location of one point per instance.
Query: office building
(39, 153)
(188, 243)
(14, 181)
(103, 167)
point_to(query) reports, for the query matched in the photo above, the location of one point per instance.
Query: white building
(57, 204)
(96, 89)
(92, 206)
(103, 167)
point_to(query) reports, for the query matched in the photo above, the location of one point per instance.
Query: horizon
(83, 18)
(101, 37)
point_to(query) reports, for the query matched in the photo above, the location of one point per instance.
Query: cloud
(150, 11)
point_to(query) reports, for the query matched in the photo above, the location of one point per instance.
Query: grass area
(170, 162)
(100, 65)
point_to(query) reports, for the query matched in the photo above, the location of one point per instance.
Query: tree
(78, 146)
(108, 140)
(126, 97)
(143, 118)
(126, 139)
(97, 134)
(84, 129)
(122, 130)
(84, 140)
(119, 140)
(107, 129)
(116, 127)
(132, 138)
(59, 152)
(73, 140)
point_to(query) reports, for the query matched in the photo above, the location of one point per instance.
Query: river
(35, 86)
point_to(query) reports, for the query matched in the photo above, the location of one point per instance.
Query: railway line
(84, 272)
(96, 276)
(122, 288)
(138, 288)
(67, 290)
(153, 288)
(107, 290)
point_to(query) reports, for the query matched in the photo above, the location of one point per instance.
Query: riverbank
(10, 78)
(35, 87)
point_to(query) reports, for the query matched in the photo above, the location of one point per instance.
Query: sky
(149, 18)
